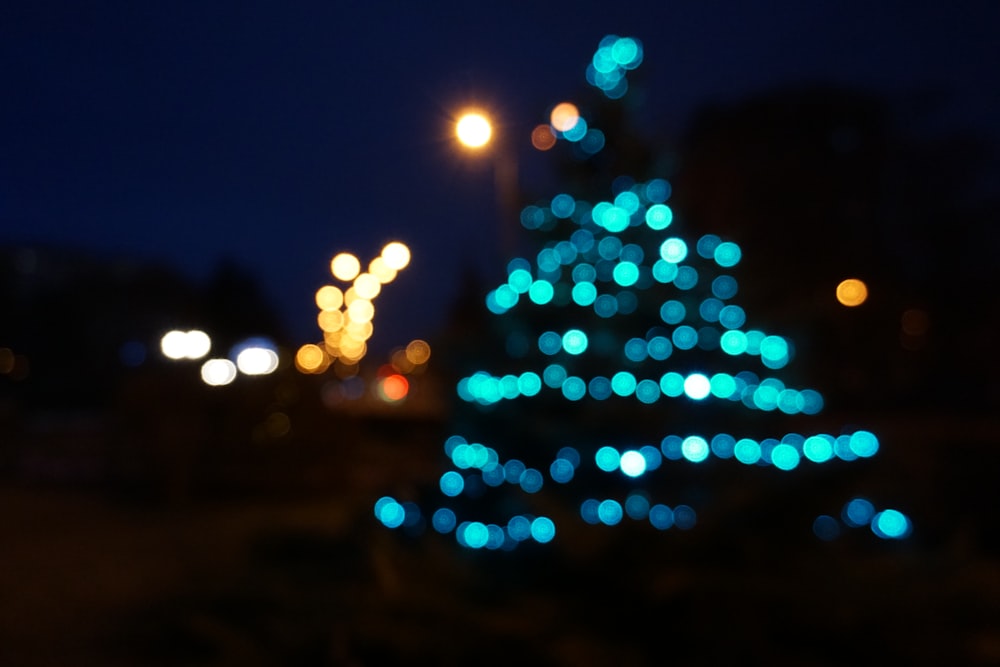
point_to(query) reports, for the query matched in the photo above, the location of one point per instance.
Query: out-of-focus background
(195, 169)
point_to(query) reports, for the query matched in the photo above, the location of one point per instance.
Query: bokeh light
(218, 372)
(852, 292)
(473, 129)
(564, 116)
(542, 137)
(193, 344)
(345, 266)
(396, 255)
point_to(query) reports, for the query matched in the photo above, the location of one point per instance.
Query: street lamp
(474, 131)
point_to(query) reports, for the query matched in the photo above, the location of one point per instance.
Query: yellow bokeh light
(311, 359)
(852, 292)
(418, 352)
(345, 266)
(382, 271)
(367, 286)
(396, 255)
(359, 330)
(564, 116)
(330, 320)
(350, 296)
(473, 129)
(329, 297)
(400, 362)
(361, 310)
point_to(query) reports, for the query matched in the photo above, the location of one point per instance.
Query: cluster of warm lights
(345, 315)
(392, 385)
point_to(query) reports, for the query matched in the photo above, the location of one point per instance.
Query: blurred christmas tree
(627, 368)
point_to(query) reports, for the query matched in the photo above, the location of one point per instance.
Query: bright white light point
(218, 372)
(396, 255)
(633, 463)
(697, 386)
(345, 266)
(185, 344)
(473, 130)
(257, 361)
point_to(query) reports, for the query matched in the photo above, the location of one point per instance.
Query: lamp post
(474, 131)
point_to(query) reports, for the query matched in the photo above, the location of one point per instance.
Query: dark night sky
(278, 134)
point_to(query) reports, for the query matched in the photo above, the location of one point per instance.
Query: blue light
(637, 506)
(389, 512)
(519, 528)
(548, 260)
(474, 534)
(570, 454)
(722, 445)
(724, 287)
(733, 342)
(709, 310)
(627, 53)
(443, 520)
(661, 517)
(732, 317)
(858, 512)
(659, 348)
(707, 244)
(584, 273)
(647, 391)
(818, 448)
(636, 350)
(747, 451)
(765, 398)
(610, 247)
(658, 190)
(513, 469)
(607, 458)
(529, 384)
(606, 305)
(697, 386)
(723, 385)
(694, 448)
(812, 402)
(614, 220)
(532, 217)
(577, 132)
(891, 525)
(826, 528)
(687, 277)
(541, 292)
(842, 448)
(553, 376)
(452, 483)
(671, 447)
(588, 511)
(531, 481)
(864, 444)
(672, 312)
(563, 206)
(754, 339)
(609, 512)
(574, 388)
(727, 254)
(451, 442)
(600, 388)
(785, 457)
(632, 463)
(673, 250)
(593, 141)
(659, 216)
(685, 337)
(492, 305)
(626, 274)
(654, 459)
(561, 471)
(584, 294)
(583, 240)
(774, 350)
(566, 252)
(664, 272)
(494, 475)
(790, 401)
(685, 517)
(519, 280)
(628, 201)
(574, 341)
(543, 529)
(672, 384)
(623, 383)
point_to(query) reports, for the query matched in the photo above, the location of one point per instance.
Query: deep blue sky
(278, 134)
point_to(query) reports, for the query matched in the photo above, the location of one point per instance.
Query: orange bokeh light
(852, 292)
(542, 137)
(394, 388)
(564, 116)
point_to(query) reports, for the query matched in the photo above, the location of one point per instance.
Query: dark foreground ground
(89, 577)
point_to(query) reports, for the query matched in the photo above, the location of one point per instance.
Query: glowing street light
(473, 129)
